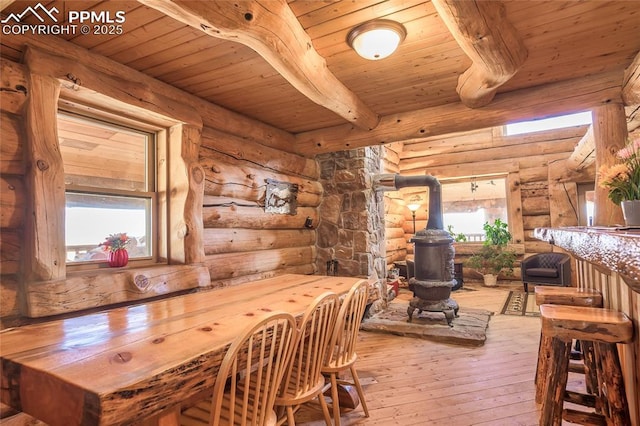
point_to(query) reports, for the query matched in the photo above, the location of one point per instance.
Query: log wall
(527, 161)
(240, 241)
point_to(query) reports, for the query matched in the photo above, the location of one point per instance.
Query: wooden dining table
(136, 364)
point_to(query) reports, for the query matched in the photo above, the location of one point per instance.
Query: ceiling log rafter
(272, 30)
(524, 104)
(491, 42)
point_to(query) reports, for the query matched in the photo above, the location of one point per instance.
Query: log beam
(272, 30)
(524, 104)
(584, 154)
(631, 83)
(491, 42)
(610, 132)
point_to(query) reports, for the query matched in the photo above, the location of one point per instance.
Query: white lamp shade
(413, 207)
(376, 44)
(376, 40)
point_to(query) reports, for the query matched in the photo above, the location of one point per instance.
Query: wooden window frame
(48, 287)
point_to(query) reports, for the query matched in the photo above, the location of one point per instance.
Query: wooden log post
(610, 134)
(45, 254)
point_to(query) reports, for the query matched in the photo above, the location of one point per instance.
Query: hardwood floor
(411, 381)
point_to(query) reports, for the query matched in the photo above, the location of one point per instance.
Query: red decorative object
(118, 258)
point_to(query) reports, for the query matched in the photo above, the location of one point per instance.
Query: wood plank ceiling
(564, 40)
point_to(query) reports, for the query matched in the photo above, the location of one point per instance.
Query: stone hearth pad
(469, 328)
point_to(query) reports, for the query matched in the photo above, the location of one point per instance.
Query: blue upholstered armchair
(546, 269)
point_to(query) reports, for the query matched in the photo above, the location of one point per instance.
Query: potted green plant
(493, 258)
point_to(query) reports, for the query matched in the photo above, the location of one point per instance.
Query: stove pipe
(390, 182)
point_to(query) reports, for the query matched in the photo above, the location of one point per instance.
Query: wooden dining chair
(303, 379)
(249, 377)
(341, 354)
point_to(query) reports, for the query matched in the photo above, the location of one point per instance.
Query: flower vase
(118, 258)
(631, 212)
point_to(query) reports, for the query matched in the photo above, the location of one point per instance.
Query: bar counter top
(616, 249)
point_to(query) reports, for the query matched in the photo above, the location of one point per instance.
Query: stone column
(351, 226)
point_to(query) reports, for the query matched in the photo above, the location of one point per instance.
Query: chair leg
(541, 368)
(356, 381)
(618, 408)
(335, 401)
(325, 410)
(557, 372)
(526, 287)
(291, 421)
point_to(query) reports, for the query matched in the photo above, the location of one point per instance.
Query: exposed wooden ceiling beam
(272, 30)
(542, 101)
(491, 42)
(584, 153)
(631, 83)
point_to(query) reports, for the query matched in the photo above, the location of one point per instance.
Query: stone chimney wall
(351, 226)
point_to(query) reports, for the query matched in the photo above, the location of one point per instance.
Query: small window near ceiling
(468, 203)
(109, 187)
(558, 122)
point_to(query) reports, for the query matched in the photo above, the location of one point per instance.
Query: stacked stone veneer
(351, 227)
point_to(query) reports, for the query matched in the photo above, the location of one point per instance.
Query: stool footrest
(576, 355)
(580, 417)
(575, 367)
(580, 398)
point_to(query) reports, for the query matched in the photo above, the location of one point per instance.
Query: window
(109, 186)
(558, 122)
(468, 203)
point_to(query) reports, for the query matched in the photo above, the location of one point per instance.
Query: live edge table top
(126, 364)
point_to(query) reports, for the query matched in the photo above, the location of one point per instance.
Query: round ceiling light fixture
(376, 39)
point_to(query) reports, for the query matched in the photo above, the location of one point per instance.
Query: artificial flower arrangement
(116, 242)
(623, 179)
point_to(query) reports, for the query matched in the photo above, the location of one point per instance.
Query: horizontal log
(232, 265)
(259, 155)
(13, 86)
(246, 182)
(394, 244)
(541, 101)
(393, 220)
(99, 289)
(537, 247)
(255, 218)
(394, 233)
(11, 149)
(147, 89)
(475, 156)
(532, 206)
(12, 202)
(226, 240)
(307, 269)
(534, 174)
(532, 222)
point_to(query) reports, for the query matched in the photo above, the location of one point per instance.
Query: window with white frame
(110, 186)
(468, 203)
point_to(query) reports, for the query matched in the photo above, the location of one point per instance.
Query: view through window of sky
(558, 122)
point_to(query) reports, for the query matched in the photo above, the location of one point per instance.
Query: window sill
(86, 289)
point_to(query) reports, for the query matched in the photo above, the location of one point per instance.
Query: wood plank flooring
(410, 381)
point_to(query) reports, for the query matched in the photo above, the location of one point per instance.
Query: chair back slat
(304, 372)
(342, 347)
(251, 372)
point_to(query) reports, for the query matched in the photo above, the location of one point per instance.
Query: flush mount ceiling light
(376, 39)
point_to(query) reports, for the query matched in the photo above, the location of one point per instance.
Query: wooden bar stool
(604, 328)
(570, 296)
